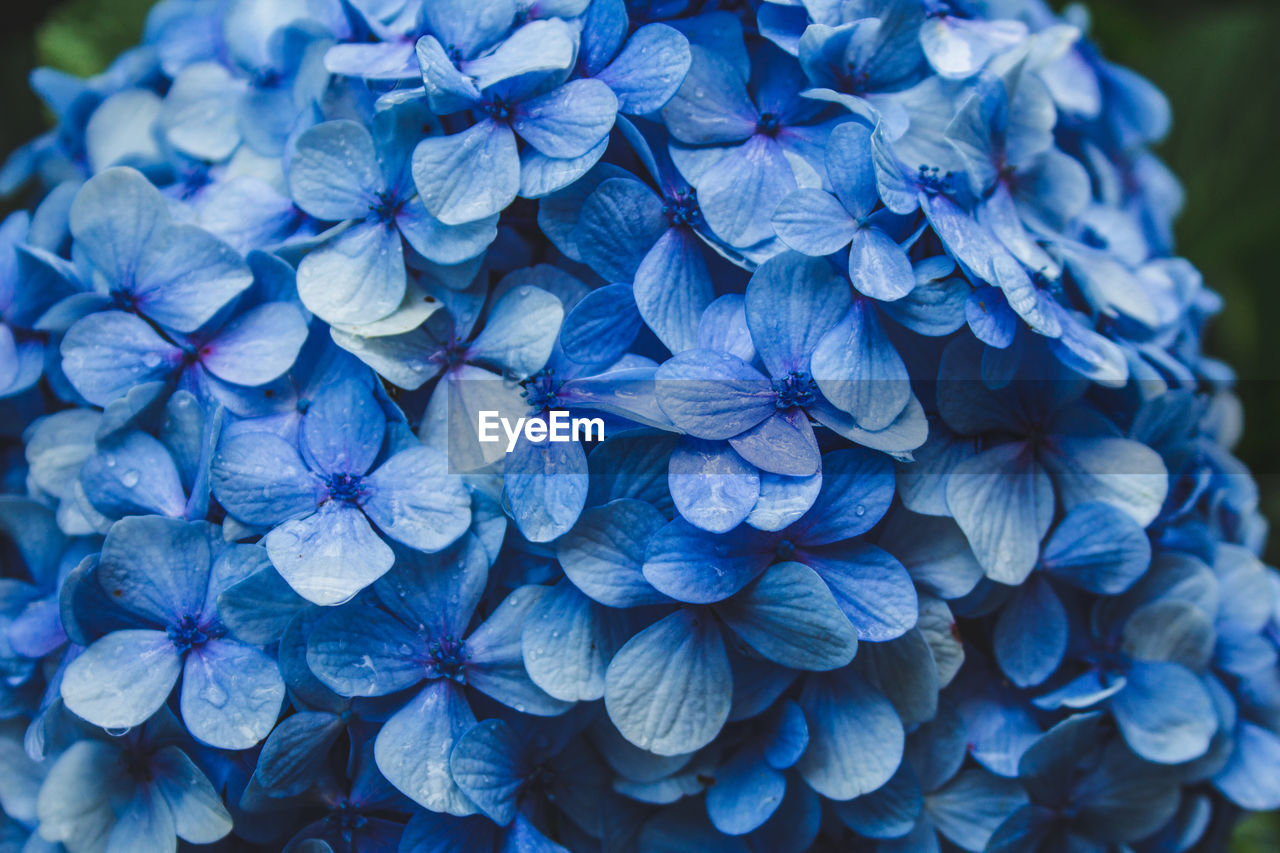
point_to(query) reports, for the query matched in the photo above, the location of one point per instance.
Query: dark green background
(1216, 59)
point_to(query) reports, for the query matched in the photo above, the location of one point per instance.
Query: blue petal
(377, 61)
(431, 832)
(965, 239)
(783, 500)
(604, 553)
(1003, 501)
(746, 793)
(878, 267)
(782, 444)
(545, 45)
(115, 243)
(296, 750)
(859, 370)
(541, 175)
(711, 486)
(857, 488)
(133, 476)
(1098, 548)
(787, 736)
(649, 69)
(605, 28)
(959, 47)
(1249, 779)
(122, 679)
(851, 169)
(440, 243)
(359, 277)
(448, 89)
(231, 694)
(673, 287)
(546, 485)
(738, 194)
(333, 174)
(342, 429)
(258, 346)
(469, 175)
(724, 327)
(520, 332)
(602, 326)
(791, 302)
(813, 222)
(969, 808)
(789, 615)
(668, 689)
(412, 748)
(438, 591)
(888, 812)
(906, 672)
(106, 354)
(329, 556)
(260, 479)
(567, 644)
(199, 815)
(1031, 634)
(569, 120)
(712, 394)
(414, 500)
(712, 105)
(692, 565)
(870, 585)
(486, 763)
(1164, 713)
(1118, 471)
(184, 276)
(199, 113)
(157, 567)
(619, 223)
(855, 736)
(361, 650)
(496, 660)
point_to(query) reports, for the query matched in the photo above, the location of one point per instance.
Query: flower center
(795, 389)
(786, 551)
(187, 635)
(540, 390)
(769, 124)
(449, 657)
(933, 180)
(386, 208)
(345, 487)
(346, 817)
(496, 108)
(682, 208)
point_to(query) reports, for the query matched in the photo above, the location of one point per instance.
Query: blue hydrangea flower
(914, 526)
(339, 173)
(319, 497)
(167, 575)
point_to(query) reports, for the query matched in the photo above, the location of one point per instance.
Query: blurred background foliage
(1216, 59)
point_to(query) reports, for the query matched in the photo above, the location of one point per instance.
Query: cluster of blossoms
(914, 527)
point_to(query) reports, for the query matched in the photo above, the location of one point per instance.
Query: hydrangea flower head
(905, 518)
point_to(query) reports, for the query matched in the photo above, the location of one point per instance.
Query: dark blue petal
(855, 737)
(672, 288)
(1098, 548)
(604, 553)
(1031, 634)
(712, 487)
(231, 694)
(692, 565)
(668, 689)
(790, 616)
